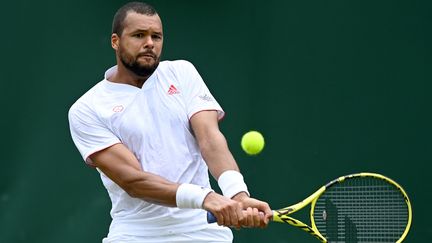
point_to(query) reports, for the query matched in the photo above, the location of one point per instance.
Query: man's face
(140, 45)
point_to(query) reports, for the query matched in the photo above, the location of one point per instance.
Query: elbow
(207, 148)
(204, 146)
(132, 192)
(212, 142)
(130, 188)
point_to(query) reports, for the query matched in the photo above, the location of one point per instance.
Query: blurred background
(335, 87)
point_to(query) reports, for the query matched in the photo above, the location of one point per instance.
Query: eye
(157, 37)
(139, 35)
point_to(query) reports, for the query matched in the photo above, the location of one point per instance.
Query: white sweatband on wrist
(191, 196)
(231, 183)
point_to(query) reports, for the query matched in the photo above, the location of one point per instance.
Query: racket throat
(299, 224)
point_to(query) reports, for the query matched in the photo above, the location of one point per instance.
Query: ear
(115, 41)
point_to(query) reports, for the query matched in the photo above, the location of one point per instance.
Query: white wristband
(191, 196)
(231, 183)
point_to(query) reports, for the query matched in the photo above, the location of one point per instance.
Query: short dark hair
(137, 7)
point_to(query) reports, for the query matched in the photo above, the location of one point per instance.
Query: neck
(125, 76)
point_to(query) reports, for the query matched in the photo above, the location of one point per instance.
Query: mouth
(147, 55)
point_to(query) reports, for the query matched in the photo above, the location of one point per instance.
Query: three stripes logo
(172, 90)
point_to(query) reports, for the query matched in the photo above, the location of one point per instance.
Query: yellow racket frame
(281, 215)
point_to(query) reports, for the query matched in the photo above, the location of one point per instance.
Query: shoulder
(83, 105)
(177, 65)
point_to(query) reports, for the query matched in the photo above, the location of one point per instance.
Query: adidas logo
(173, 90)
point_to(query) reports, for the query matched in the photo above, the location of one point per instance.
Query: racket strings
(361, 209)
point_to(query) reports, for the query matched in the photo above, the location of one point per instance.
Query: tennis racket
(362, 207)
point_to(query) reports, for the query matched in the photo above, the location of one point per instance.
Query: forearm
(224, 169)
(152, 188)
(121, 166)
(219, 160)
(222, 165)
(215, 152)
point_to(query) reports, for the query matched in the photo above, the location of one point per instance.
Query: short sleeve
(88, 133)
(197, 95)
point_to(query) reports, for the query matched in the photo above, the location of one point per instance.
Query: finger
(268, 216)
(240, 215)
(233, 217)
(267, 213)
(264, 220)
(256, 217)
(249, 217)
(220, 219)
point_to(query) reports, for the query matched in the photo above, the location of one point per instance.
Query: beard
(139, 69)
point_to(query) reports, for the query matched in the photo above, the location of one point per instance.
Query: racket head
(362, 207)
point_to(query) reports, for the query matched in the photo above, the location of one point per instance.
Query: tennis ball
(252, 142)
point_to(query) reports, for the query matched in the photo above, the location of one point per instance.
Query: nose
(148, 42)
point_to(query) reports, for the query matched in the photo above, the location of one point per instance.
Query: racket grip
(211, 218)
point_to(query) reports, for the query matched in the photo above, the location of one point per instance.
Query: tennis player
(151, 130)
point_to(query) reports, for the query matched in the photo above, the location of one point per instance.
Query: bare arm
(212, 143)
(215, 152)
(122, 167)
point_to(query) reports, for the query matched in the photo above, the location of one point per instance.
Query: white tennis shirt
(153, 123)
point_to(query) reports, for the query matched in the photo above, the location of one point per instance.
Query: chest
(150, 115)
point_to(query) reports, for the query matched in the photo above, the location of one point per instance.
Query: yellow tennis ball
(252, 142)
